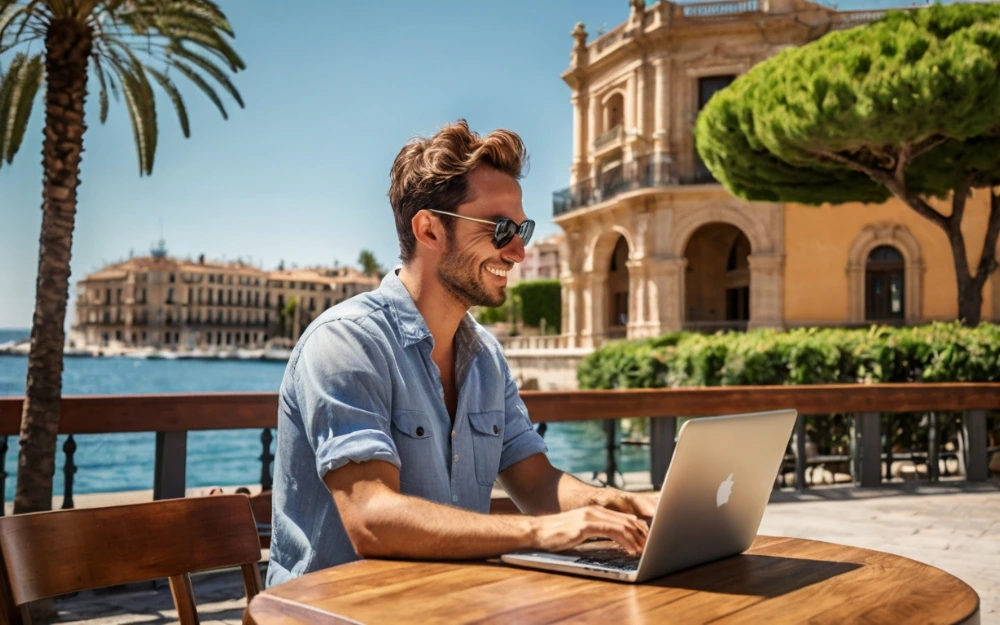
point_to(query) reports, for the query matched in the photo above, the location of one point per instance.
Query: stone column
(766, 291)
(661, 106)
(640, 109)
(570, 310)
(665, 286)
(595, 302)
(580, 149)
(593, 128)
(637, 299)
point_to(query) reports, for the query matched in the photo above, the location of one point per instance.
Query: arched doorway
(618, 291)
(717, 283)
(885, 285)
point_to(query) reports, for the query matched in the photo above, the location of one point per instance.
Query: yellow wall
(817, 245)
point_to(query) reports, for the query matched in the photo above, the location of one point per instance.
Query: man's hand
(566, 530)
(640, 505)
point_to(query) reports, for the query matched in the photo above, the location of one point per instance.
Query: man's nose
(514, 252)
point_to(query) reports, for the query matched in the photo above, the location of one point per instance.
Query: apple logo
(725, 490)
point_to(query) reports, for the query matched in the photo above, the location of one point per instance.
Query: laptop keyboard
(616, 559)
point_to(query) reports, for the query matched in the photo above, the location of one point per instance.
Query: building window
(210, 292)
(211, 280)
(107, 296)
(885, 285)
(239, 298)
(312, 304)
(190, 295)
(708, 86)
(327, 302)
(222, 299)
(208, 338)
(170, 295)
(267, 300)
(229, 338)
(118, 335)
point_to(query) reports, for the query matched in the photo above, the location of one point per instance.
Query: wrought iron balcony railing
(654, 170)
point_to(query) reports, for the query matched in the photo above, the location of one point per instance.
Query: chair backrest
(261, 506)
(53, 553)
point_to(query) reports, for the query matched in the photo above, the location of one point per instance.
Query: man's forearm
(399, 526)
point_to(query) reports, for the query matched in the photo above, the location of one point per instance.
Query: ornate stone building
(163, 302)
(653, 244)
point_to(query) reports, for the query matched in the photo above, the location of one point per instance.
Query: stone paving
(952, 525)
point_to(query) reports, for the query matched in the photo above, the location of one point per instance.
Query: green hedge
(940, 352)
(540, 299)
(535, 300)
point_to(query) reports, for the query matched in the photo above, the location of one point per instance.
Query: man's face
(472, 269)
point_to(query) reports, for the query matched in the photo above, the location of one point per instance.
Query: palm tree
(128, 45)
(369, 264)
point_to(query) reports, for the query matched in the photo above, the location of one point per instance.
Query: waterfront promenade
(953, 525)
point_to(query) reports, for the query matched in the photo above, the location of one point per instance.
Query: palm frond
(209, 68)
(103, 95)
(175, 96)
(18, 88)
(202, 84)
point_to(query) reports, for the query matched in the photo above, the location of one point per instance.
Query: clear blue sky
(333, 90)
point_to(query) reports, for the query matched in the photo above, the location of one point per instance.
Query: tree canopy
(916, 95)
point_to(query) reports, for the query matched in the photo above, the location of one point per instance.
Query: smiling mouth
(502, 273)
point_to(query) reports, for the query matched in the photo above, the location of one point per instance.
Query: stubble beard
(459, 272)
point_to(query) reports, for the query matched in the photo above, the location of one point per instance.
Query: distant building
(163, 302)
(541, 261)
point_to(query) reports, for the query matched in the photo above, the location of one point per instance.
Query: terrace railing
(171, 417)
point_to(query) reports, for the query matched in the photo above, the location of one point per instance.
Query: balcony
(609, 138)
(647, 172)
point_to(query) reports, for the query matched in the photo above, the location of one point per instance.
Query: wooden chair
(47, 554)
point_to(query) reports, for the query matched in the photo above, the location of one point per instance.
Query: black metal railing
(653, 170)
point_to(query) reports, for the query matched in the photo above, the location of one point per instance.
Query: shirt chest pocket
(411, 431)
(487, 443)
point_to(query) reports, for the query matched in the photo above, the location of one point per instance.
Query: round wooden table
(778, 580)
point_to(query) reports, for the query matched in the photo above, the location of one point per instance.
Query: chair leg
(251, 580)
(183, 592)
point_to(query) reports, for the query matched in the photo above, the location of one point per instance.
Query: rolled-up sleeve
(340, 380)
(520, 439)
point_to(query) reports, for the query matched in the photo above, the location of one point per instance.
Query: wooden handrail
(98, 414)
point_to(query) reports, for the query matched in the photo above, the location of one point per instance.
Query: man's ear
(428, 231)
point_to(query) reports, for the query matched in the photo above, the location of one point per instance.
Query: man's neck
(441, 311)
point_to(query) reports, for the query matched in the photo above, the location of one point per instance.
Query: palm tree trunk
(67, 50)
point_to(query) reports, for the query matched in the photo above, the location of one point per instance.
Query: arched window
(614, 112)
(885, 285)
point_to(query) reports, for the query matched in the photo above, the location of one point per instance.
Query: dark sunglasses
(504, 228)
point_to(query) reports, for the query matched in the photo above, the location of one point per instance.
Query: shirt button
(454, 498)
(420, 431)
(456, 457)
(453, 433)
(496, 429)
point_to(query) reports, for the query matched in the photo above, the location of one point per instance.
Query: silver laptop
(711, 504)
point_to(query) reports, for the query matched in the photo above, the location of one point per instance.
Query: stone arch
(871, 237)
(602, 245)
(750, 224)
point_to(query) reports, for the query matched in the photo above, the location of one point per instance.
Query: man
(398, 412)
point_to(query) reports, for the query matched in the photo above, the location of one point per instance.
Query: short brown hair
(432, 173)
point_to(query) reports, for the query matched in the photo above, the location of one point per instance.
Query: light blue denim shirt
(361, 385)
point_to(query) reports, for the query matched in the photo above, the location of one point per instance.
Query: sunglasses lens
(504, 233)
(526, 230)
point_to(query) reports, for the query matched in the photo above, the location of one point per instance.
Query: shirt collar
(411, 323)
